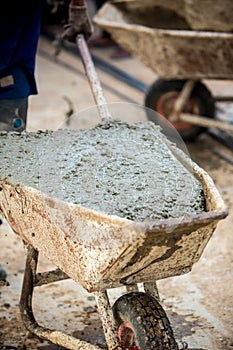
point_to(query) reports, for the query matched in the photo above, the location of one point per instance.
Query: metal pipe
(205, 122)
(181, 100)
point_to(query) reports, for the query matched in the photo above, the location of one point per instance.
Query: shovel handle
(92, 77)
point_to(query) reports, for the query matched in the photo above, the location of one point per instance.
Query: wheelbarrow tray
(177, 53)
(102, 251)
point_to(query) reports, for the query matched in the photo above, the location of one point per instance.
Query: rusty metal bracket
(49, 277)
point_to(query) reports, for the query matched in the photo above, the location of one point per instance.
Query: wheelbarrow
(164, 36)
(102, 251)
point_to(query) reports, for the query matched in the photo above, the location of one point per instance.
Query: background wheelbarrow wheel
(142, 323)
(161, 97)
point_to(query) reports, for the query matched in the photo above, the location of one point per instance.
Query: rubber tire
(149, 321)
(200, 94)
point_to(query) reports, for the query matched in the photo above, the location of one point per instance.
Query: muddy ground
(199, 304)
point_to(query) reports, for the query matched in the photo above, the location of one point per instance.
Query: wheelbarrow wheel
(142, 323)
(161, 97)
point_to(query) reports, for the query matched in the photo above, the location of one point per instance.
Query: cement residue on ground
(117, 168)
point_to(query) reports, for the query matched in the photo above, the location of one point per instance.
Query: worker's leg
(2, 271)
(3, 274)
(13, 114)
(13, 117)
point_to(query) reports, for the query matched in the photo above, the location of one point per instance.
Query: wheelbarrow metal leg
(25, 303)
(181, 100)
(27, 315)
(108, 322)
(151, 288)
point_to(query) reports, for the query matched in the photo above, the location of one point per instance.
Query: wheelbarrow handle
(92, 77)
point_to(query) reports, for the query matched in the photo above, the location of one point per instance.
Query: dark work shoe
(3, 274)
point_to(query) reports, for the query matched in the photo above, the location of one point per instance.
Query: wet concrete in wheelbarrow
(128, 170)
(199, 304)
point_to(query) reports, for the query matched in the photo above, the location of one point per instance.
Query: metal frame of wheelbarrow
(177, 115)
(33, 279)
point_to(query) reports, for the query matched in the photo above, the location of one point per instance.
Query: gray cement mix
(116, 168)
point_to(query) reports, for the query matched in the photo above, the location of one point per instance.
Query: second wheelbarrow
(160, 35)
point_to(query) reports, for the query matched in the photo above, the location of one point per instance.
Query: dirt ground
(199, 304)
